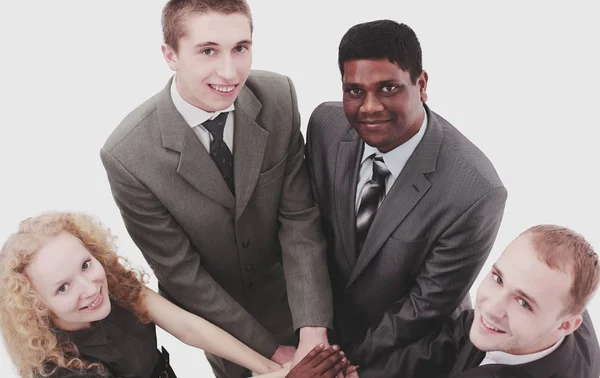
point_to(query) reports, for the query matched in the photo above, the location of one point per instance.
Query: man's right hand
(283, 354)
(320, 362)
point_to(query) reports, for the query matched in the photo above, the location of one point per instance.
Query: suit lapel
(407, 191)
(347, 163)
(195, 164)
(469, 357)
(250, 142)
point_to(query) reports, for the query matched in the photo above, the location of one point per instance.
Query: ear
(569, 325)
(170, 56)
(422, 84)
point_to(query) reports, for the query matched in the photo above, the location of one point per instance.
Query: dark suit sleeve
(168, 250)
(443, 281)
(302, 242)
(432, 356)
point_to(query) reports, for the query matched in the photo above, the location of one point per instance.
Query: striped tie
(371, 197)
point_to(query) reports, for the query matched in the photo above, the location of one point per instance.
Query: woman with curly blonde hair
(71, 308)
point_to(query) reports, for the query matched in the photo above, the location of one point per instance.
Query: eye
(497, 278)
(353, 91)
(240, 49)
(86, 264)
(389, 88)
(208, 52)
(523, 304)
(63, 288)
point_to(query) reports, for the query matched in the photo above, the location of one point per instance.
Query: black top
(450, 353)
(126, 347)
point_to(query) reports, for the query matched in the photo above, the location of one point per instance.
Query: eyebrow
(379, 83)
(519, 292)
(210, 43)
(85, 257)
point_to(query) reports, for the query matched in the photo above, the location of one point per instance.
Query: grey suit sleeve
(444, 280)
(302, 242)
(168, 250)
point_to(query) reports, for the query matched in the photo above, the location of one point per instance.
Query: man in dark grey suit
(529, 319)
(410, 208)
(210, 179)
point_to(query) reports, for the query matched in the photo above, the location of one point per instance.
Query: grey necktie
(371, 196)
(218, 148)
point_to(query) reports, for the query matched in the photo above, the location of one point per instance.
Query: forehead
(216, 27)
(373, 71)
(522, 269)
(64, 252)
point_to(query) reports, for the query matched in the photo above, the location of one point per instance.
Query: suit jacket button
(246, 243)
(249, 267)
(250, 285)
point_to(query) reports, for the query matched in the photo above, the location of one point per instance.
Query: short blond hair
(564, 249)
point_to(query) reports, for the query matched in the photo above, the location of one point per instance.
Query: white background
(519, 79)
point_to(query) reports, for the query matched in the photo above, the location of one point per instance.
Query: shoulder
(330, 112)
(581, 349)
(459, 156)
(138, 117)
(64, 372)
(267, 85)
(328, 122)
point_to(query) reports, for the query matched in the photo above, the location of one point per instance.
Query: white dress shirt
(395, 160)
(503, 358)
(194, 116)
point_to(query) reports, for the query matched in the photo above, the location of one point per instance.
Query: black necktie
(219, 150)
(371, 196)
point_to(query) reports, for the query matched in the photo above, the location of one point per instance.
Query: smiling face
(381, 102)
(212, 60)
(520, 303)
(70, 282)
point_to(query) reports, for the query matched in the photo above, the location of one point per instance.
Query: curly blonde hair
(25, 321)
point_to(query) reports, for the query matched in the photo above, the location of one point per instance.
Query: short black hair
(379, 40)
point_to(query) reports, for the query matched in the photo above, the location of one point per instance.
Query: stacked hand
(323, 362)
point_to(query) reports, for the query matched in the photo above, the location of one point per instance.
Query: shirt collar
(193, 115)
(396, 159)
(504, 358)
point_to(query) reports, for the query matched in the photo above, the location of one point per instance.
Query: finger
(336, 369)
(324, 355)
(351, 369)
(341, 373)
(330, 361)
(312, 354)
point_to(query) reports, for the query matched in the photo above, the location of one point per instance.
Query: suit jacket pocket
(273, 173)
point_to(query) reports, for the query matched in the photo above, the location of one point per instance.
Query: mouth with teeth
(223, 90)
(95, 303)
(489, 327)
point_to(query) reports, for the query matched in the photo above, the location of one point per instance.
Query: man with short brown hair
(529, 318)
(210, 179)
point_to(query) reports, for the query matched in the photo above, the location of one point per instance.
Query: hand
(281, 373)
(320, 362)
(309, 337)
(283, 354)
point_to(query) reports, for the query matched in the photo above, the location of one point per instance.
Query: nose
(227, 69)
(88, 287)
(371, 104)
(496, 306)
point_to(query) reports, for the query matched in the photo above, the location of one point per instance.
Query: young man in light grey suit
(210, 179)
(410, 208)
